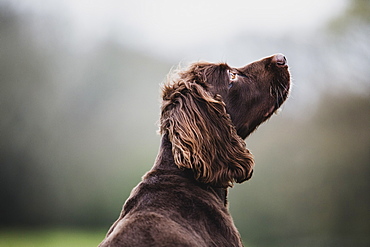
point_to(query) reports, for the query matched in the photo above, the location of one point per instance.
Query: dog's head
(208, 109)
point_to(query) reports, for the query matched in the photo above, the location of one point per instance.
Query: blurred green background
(79, 104)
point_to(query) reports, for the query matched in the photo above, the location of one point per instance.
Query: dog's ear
(202, 135)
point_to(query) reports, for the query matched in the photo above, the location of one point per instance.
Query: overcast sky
(172, 24)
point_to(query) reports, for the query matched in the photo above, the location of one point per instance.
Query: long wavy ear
(202, 135)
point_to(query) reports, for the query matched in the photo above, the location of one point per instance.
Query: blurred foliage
(69, 124)
(78, 130)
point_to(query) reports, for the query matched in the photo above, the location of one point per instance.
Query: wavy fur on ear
(202, 134)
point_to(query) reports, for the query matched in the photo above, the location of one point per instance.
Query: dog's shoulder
(167, 209)
(175, 191)
(167, 206)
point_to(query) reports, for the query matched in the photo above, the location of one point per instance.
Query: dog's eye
(233, 76)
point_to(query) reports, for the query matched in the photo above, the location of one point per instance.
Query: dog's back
(170, 209)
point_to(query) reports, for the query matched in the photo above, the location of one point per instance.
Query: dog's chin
(273, 110)
(268, 113)
(249, 127)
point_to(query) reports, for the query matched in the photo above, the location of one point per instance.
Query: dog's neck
(221, 193)
(165, 161)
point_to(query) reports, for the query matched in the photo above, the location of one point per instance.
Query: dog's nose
(280, 59)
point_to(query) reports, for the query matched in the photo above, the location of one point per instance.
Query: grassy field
(50, 238)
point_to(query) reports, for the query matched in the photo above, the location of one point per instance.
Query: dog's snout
(280, 59)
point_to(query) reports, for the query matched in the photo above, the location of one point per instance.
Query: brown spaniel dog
(207, 111)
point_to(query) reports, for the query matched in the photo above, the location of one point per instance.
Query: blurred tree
(66, 121)
(21, 81)
(343, 125)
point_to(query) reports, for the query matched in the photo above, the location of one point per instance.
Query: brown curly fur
(203, 136)
(207, 111)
